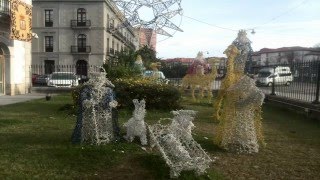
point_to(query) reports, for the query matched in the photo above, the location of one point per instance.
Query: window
(82, 42)
(108, 20)
(48, 13)
(108, 45)
(285, 74)
(49, 43)
(111, 25)
(81, 17)
(2, 66)
(82, 69)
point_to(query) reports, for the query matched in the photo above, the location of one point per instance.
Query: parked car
(63, 79)
(34, 76)
(280, 74)
(42, 79)
(156, 74)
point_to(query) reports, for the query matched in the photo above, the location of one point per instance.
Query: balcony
(119, 36)
(49, 48)
(80, 24)
(48, 24)
(111, 29)
(130, 44)
(80, 49)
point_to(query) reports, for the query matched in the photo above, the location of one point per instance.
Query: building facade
(284, 55)
(175, 61)
(82, 33)
(147, 37)
(15, 46)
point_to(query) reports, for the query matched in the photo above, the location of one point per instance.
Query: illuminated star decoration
(163, 11)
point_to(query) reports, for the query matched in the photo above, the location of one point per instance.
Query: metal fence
(300, 83)
(296, 80)
(304, 86)
(63, 74)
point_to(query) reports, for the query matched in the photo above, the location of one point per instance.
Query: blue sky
(276, 23)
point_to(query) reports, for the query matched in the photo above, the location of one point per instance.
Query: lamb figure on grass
(136, 125)
(182, 124)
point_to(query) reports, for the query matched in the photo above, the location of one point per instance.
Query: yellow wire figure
(199, 77)
(238, 105)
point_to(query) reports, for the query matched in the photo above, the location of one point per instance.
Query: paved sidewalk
(5, 100)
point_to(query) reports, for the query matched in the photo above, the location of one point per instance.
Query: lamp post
(273, 82)
(316, 101)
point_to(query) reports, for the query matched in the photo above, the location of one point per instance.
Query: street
(297, 90)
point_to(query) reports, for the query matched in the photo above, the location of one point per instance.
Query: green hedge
(157, 96)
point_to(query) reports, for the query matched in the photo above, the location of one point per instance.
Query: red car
(34, 77)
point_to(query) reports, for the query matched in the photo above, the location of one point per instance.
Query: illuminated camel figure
(238, 105)
(196, 77)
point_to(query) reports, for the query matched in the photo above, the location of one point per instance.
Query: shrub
(157, 96)
(176, 71)
(160, 96)
(121, 72)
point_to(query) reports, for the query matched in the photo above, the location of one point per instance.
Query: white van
(281, 75)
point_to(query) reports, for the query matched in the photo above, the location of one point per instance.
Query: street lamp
(252, 31)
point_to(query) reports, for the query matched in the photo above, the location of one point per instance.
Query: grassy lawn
(35, 143)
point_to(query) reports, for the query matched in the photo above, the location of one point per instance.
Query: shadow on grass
(207, 144)
(156, 165)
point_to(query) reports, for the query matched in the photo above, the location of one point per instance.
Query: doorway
(82, 70)
(49, 66)
(2, 66)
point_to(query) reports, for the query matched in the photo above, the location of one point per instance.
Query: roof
(285, 49)
(181, 60)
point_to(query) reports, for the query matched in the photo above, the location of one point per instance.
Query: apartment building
(284, 55)
(83, 33)
(147, 37)
(15, 46)
(183, 61)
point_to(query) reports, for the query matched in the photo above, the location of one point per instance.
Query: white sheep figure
(136, 125)
(182, 124)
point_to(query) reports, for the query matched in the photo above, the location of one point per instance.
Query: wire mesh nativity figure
(176, 145)
(136, 125)
(201, 75)
(238, 105)
(95, 123)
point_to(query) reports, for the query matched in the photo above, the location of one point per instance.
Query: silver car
(63, 79)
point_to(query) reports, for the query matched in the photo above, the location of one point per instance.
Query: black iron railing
(80, 49)
(48, 24)
(110, 28)
(49, 49)
(302, 82)
(80, 24)
(41, 74)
